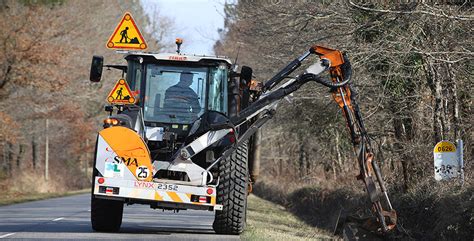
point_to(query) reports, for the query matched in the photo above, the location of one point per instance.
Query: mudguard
(126, 172)
(122, 153)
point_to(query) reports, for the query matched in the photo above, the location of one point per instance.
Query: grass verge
(270, 221)
(16, 197)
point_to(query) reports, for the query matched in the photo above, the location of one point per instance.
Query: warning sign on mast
(126, 35)
(121, 94)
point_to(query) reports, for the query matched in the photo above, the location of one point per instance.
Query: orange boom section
(337, 59)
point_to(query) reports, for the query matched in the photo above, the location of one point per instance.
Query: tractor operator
(181, 94)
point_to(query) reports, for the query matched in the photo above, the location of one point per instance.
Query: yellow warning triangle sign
(121, 94)
(126, 35)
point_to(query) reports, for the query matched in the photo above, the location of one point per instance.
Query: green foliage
(398, 87)
(382, 65)
(416, 59)
(370, 32)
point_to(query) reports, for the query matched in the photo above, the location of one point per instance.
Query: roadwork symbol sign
(121, 94)
(126, 35)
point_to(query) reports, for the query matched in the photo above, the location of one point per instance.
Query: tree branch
(444, 15)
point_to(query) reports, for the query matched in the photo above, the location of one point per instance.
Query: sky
(196, 21)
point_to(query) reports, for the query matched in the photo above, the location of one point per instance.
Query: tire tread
(232, 193)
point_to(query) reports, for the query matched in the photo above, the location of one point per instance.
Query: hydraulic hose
(323, 81)
(292, 66)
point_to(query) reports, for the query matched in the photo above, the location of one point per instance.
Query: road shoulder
(14, 198)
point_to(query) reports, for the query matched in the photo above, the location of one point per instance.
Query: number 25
(143, 172)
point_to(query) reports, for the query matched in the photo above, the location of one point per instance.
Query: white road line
(88, 210)
(57, 219)
(6, 235)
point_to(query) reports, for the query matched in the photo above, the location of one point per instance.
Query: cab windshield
(177, 94)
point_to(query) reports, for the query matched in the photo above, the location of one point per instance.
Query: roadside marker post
(460, 153)
(448, 162)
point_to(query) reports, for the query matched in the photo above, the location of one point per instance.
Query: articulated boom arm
(369, 169)
(263, 109)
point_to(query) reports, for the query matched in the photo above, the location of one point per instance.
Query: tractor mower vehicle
(185, 135)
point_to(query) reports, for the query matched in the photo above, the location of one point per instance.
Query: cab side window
(134, 76)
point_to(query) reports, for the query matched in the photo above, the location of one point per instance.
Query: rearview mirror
(96, 68)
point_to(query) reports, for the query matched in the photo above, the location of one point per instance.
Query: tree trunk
(34, 154)
(434, 83)
(337, 163)
(280, 160)
(338, 151)
(399, 135)
(4, 157)
(10, 158)
(454, 91)
(302, 160)
(21, 150)
(438, 108)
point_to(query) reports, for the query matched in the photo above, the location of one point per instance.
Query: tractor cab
(176, 97)
(175, 90)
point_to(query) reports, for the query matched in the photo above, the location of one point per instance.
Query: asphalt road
(68, 218)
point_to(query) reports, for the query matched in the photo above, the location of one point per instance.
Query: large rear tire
(232, 193)
(106, 215)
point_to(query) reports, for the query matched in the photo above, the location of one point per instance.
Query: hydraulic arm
(264, 108)
(370, 173)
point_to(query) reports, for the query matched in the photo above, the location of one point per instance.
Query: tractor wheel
(232, 193)
(106, 215)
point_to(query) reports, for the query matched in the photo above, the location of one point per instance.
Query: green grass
(269, 221)
(12, 198)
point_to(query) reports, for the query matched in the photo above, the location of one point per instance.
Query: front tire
(232, 193)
